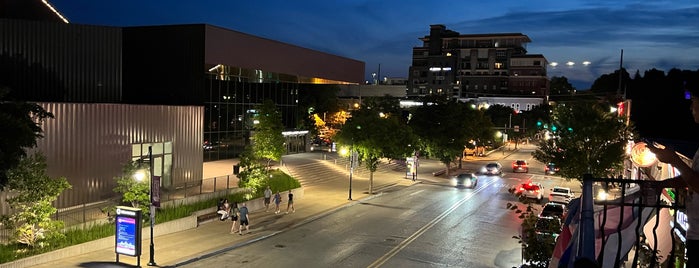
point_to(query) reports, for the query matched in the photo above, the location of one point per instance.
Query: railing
(620, 223)
(81, 216)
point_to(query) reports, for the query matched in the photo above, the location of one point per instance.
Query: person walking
(234, 217)
(689, 177)
(290, 203)
(268, 196)
(244, 218)
(277, 201)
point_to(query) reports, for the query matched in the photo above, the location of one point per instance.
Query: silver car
(492, 168)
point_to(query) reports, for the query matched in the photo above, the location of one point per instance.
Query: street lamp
(139, 175)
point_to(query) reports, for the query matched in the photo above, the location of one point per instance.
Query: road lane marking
(383, 259)
(416, 192)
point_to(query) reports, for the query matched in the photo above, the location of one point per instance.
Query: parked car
(520, 166)
(492, 168)
(466, 180)
(550, 169)
(531, 190)
(561, 195)
(552, 209)
(546, 226)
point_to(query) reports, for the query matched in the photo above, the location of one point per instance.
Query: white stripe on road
(383, 259)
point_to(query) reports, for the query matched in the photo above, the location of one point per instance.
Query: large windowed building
(476, 65)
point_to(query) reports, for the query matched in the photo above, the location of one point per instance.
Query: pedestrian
(244, 218)
(234, 217)
(224, 210)
(290, 203)
(689, 177)
(277, 201)
(268, 196)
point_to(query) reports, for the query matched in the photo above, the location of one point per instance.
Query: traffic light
(554, 128)
(538, 123)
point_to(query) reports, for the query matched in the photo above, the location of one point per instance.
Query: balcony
(624, 223)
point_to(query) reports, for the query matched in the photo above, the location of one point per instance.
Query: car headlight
(453, 181)
(468, 182)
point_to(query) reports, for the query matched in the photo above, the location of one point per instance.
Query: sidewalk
(213, 237)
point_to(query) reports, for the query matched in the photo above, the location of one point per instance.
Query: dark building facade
(476, 65)
(229, 73)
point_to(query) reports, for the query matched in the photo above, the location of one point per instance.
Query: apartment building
(476, 65)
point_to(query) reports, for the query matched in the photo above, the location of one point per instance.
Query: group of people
(278, 200)
(240, 216)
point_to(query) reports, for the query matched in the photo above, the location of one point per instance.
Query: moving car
(531, 190)
(520, 166)
(492, 168)
(561, 195)
(466, 180)
(550, 169)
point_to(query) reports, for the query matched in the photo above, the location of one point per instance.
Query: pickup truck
(561, 195)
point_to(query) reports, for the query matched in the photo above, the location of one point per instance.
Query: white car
(532, 190)
(561, 195)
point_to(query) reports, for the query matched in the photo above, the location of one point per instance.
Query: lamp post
(151, 261)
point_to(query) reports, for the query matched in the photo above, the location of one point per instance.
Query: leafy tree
(32, 193)
(559, 85)
(537, 248)
(376, 131)
(268, 141)
(588, 139)
(20, 123)
(316, 100)
(254, 175)
(134, 186)
(443, 128)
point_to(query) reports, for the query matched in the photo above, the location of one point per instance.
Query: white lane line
(383, 259)
(416, 192)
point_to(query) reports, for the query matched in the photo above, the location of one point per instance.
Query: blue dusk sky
(658, 34)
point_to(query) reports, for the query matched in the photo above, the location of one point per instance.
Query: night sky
(657, 34)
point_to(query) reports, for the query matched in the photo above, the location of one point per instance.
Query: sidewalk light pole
(151, 262)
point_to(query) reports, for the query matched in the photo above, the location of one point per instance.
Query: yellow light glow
(642, 156)
(602, 195)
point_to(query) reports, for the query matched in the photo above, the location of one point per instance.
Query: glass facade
(229, 107)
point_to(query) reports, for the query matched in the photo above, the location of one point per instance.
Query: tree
(537, 248)
(376, 131)
(268, 141)
(588, 139)
(254, 175)
(443, 127)
(32, 193)
(134, 186)
(559, 85)
(20, 123)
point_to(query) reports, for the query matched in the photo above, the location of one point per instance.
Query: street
(427, 224)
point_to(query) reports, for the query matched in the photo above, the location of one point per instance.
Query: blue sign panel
(128, 231)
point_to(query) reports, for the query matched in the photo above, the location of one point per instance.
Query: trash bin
(236, 169)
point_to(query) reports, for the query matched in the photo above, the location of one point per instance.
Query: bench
(207, 217)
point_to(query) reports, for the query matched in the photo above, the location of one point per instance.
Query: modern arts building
(187, 91)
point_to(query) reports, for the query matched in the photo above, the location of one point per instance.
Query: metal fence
(621, 223)
(83, 215)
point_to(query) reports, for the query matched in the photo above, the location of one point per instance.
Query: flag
(566, 245)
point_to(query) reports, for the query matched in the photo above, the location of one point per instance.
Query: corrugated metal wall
(50, 61)
(89, 144)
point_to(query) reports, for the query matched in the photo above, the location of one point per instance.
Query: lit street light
(140, 176)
